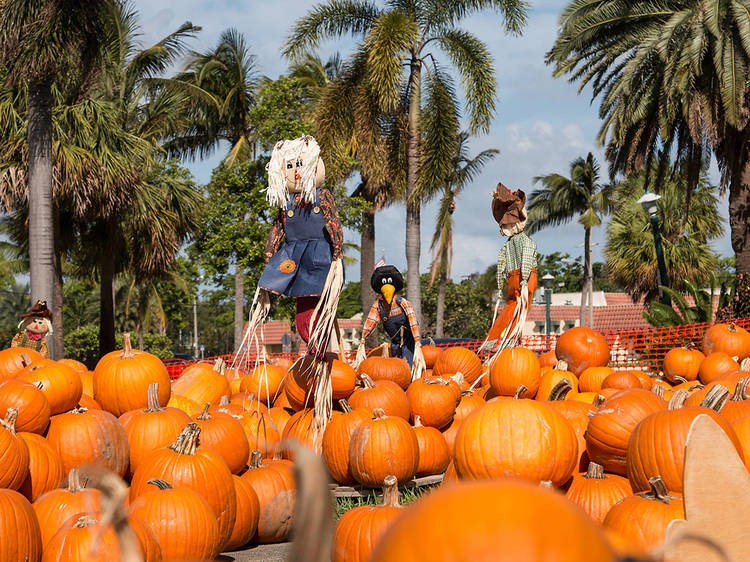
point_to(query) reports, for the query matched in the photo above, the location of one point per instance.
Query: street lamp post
(649, 204)
(547, 280)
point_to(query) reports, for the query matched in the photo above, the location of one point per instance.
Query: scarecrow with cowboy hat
(36, 323)
(397, 316)
(516, 265)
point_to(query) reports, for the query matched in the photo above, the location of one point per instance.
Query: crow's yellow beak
(388, 291)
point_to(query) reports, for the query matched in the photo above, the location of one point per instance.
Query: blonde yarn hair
(311, 178)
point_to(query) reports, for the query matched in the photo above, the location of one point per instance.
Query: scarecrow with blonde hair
(37, 324)
(516, 265)
(303, 257)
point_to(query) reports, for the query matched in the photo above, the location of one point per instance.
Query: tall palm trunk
(41, 234)
(239, 305)
(739, 215)
(57, 350)
(586, 297)
(413, 206)
(107, 268)
(366, 263)
(440, 312)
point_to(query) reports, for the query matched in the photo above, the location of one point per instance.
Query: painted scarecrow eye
(289, 165)
(299, 163)
(390, 280)
(383, 281)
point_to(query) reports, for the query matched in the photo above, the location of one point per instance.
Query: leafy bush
(83, 344)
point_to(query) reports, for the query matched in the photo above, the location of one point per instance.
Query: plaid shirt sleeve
(333, 224)
(501, 261)
(528, 258)
(275, 236)
(372, 321)
(411, 317)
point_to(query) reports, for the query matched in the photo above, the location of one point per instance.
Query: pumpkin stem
(598, 401)
(85, 521)
(715, 398)
(546, 484)
(386, 350)
(418, 421)
(478, 381)
(659, 489)
(345, 406)
(159, 483)
(560, 390)
(9, 422)
(187, 441)
(152, 398)
(678, 399)
(390, 491)
(220, 366)
(379, 414)
(561, 365)
(204, 415)
(256, 459)
(25, 360)
(740, 391)
(436, 380)
(367, 381)
(520, 391)
(74, 481)
(458, 378)
(745, 365)
(658, 390)
(127, 347)
(224, 401)
(595, 471)
(679, 379)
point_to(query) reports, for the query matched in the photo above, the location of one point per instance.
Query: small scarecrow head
(387, 281)
(295, 167)
(38, 320)
(508, 210)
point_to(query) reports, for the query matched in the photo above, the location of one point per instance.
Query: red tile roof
(275, 329)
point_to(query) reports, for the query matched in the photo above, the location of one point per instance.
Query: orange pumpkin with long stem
(122, 378)
(14, 455)
(596, 492)
(381, 394)
(359, 529)
(223, 433)
(186, 463)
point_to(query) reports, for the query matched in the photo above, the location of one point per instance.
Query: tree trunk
(440, 312)
(739, 218)
(239, 306)
(41, 233)
(366, 263)
(106, 297)
(585, 286)
(57, 349)
(413, 204)
(590, 273)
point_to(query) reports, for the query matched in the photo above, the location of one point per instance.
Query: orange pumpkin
(14, 455)
(621, 380)
(431, 352)
(515, 366)
(360, 529)
(60, 384)
(122, 378)
(549, 381)
(337, 439)
(729, 338)
(223, 434)
(505, 512)
(203, 383)
(30, 402)
(343, 379)
(519, 438)
(248, 514)
(19, 529)
(434, 400)
(434, 454)
(717, 365)
(45, 471)
(14, 360)
(596, 492)
(392, 369)
(265, 381)
(181, 519)
(273, 482)
(581, 348)
(591, 379)
(682, 364)
(381, 446)
(470, 401)
(458, 360)
(381, 394)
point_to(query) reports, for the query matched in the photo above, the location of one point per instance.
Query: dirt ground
(258, 553)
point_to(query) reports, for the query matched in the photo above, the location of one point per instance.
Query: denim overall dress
(300, 267)
(399, 332)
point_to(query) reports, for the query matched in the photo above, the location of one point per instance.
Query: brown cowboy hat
(508, 206)
(39, 309)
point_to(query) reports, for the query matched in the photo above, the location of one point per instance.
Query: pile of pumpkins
(525, 436)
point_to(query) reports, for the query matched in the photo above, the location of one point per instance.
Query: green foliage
(468, 306)
(156, 344)
(349, 302)
(567, 271)
(279, 111)
(407, 495)
(82, 344)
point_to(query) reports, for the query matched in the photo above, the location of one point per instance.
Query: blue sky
(541, 124)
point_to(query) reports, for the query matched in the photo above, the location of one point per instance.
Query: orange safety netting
(631, 349)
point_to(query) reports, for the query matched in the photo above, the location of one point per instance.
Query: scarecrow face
(36, 324)
(293, 173)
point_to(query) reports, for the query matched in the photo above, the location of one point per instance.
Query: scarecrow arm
(275, 236)
(412, 318)
(333, 224)
(372, 321)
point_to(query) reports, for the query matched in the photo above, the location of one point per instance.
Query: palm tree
(630, 253)
(397, 44)
(45, 45)
(671, 77)
(224, 83)
(465, 170)
(560, 199)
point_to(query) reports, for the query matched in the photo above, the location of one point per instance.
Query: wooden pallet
(364, 492)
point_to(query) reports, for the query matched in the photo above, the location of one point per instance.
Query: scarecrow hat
(38, 310)
(508, 206)
(386, 274)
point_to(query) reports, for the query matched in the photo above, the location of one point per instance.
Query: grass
(406, 496)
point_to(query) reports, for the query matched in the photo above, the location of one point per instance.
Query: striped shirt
(519, 252)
